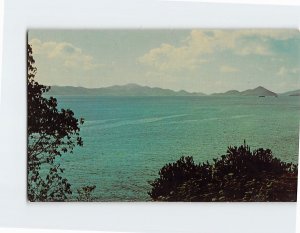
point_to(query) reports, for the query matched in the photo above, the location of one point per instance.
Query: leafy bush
(50, 133)
(239, 175)
(85, 193)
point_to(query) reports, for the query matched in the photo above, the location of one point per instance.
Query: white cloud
(67, 53)
(228, 69)
(199, 46)
(283, 71)
(168, 57)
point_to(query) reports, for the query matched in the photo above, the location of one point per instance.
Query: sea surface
(128, 139)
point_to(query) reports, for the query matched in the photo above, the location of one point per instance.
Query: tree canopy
(239, 175)
(51, 132)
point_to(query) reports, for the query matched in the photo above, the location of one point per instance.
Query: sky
(194, 60)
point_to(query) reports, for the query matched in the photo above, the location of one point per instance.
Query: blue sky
(194, 60)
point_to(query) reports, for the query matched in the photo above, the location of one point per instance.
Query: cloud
(283, 71)
(168, 57)
(228, 69)
(201, 45)
(67, 53)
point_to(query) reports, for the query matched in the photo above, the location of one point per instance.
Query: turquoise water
(128, 139)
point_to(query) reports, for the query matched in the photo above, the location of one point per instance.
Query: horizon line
(190, 92)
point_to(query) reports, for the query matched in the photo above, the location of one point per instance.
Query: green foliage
(85, 193)
(174, 174)
(239, 175)
(50, 134)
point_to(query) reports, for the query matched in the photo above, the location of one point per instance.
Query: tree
(239, 175)
(85, 193)
(50, 134)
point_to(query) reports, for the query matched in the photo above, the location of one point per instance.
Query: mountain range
(292, 93)
(259, 91)
(125, 90)
(137, 90)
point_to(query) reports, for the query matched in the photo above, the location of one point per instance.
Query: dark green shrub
(239, 175)
(85, 193)
(50, 133)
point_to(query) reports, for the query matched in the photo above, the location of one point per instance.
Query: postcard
(172, 115)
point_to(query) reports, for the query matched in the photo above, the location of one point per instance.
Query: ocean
(128, 139)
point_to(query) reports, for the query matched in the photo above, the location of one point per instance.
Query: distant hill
(291, 93)
(138, 90)
(228, 93)
(124, 90)
(259, 91)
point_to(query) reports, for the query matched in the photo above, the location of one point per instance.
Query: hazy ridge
(124, 90)
(292, 93)
(137, 90)
(258, 91)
